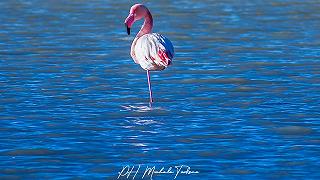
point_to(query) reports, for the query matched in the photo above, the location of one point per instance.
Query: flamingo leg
(149, 83)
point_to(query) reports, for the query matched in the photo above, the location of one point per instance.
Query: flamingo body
(154, 52)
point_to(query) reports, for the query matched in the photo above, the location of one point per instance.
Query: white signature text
(140, 171)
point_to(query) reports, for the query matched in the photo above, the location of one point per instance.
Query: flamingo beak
(128, 22)
(128, 29)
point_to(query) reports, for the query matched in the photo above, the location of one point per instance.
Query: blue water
(241, 99)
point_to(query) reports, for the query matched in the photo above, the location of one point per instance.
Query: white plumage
(153, 51)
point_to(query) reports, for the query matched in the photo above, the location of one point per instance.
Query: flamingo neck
(145, 29)
(147, 25)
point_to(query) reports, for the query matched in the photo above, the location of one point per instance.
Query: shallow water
(241, 99)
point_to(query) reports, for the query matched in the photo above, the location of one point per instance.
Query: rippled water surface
(241, 99)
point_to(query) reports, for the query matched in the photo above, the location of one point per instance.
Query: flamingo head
(137, 12)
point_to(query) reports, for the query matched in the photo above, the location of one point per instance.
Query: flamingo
(152, 51)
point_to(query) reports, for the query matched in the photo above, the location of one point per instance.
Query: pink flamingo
(152, 51)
